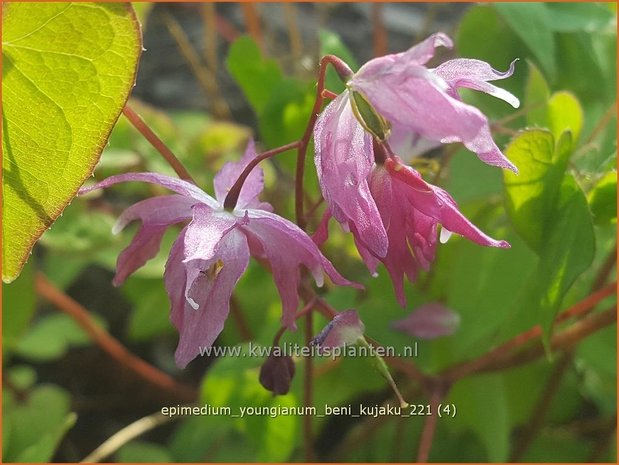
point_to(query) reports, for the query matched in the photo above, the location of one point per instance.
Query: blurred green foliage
(559, 214)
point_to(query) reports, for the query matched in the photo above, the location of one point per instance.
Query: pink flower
(422, 105)
(213, 250)
(429, 321)
(344, 329)
(392, 213)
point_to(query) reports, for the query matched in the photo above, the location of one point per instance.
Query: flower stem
(429, 427)
(233, 195)
(151, 137)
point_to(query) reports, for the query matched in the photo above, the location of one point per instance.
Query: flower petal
(412, 235)
(474, 74)
(230, 172)
(286, 247)
(344, 158)
(415, 100)
(199, 328)
(205, 231)
(157, 214)
(436, 203)
(417, 55)
(162, 210)
(174, 184)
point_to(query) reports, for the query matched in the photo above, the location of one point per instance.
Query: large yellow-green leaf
(67, 71)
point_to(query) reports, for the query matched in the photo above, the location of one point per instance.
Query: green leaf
(257, 76)
(22, 377)
(481, 406)
(531, 195)
(568, 250)
(572, 17)
(143, 452)
(565, 114)
(530, 22)
(560, 112)
(550, 212)
(51, 337)
(603, 199)
(38, 424)
(18, 303)
(233, 382)
(537, 94)
(68, 70)
(151, 308)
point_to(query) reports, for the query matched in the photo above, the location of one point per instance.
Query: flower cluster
(393, 214)
(395, 101)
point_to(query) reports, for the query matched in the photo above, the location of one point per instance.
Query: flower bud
(345, 329)
(276, 374)
(372, 121)
(429, 321)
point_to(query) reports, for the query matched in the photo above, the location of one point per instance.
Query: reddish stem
(110, 345)
(163, 149)
(429, 427)
(235, 190)
(564, 340)
(480, 363)
(379, 33)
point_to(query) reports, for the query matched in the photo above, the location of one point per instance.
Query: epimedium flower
(391, 211)
(212, 251)
(429, 321)
(346, 328)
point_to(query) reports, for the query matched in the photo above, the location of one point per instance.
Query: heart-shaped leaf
(67, 72)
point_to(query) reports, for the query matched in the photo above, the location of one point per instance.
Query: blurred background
(212, 76)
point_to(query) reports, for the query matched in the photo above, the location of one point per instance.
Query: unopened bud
(372, 121)
(276, 374)
(345, 329)
(429, 321)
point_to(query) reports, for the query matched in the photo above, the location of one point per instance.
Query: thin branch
(480, 363)
(379, 34)
(234, 192)
(209, 34)
(294, 37)
(108, 343)
(151, 137)
(252, 21)
(602, 123)
(429, 426)
(605, 441)
(605, 270)
(564, 340)
(205, 76)
(539, 411)
(126, 435)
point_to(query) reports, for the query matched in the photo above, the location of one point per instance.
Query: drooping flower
(429, 321)
(422, 105)
(344, 329)
(391, 211)
(212, 251)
